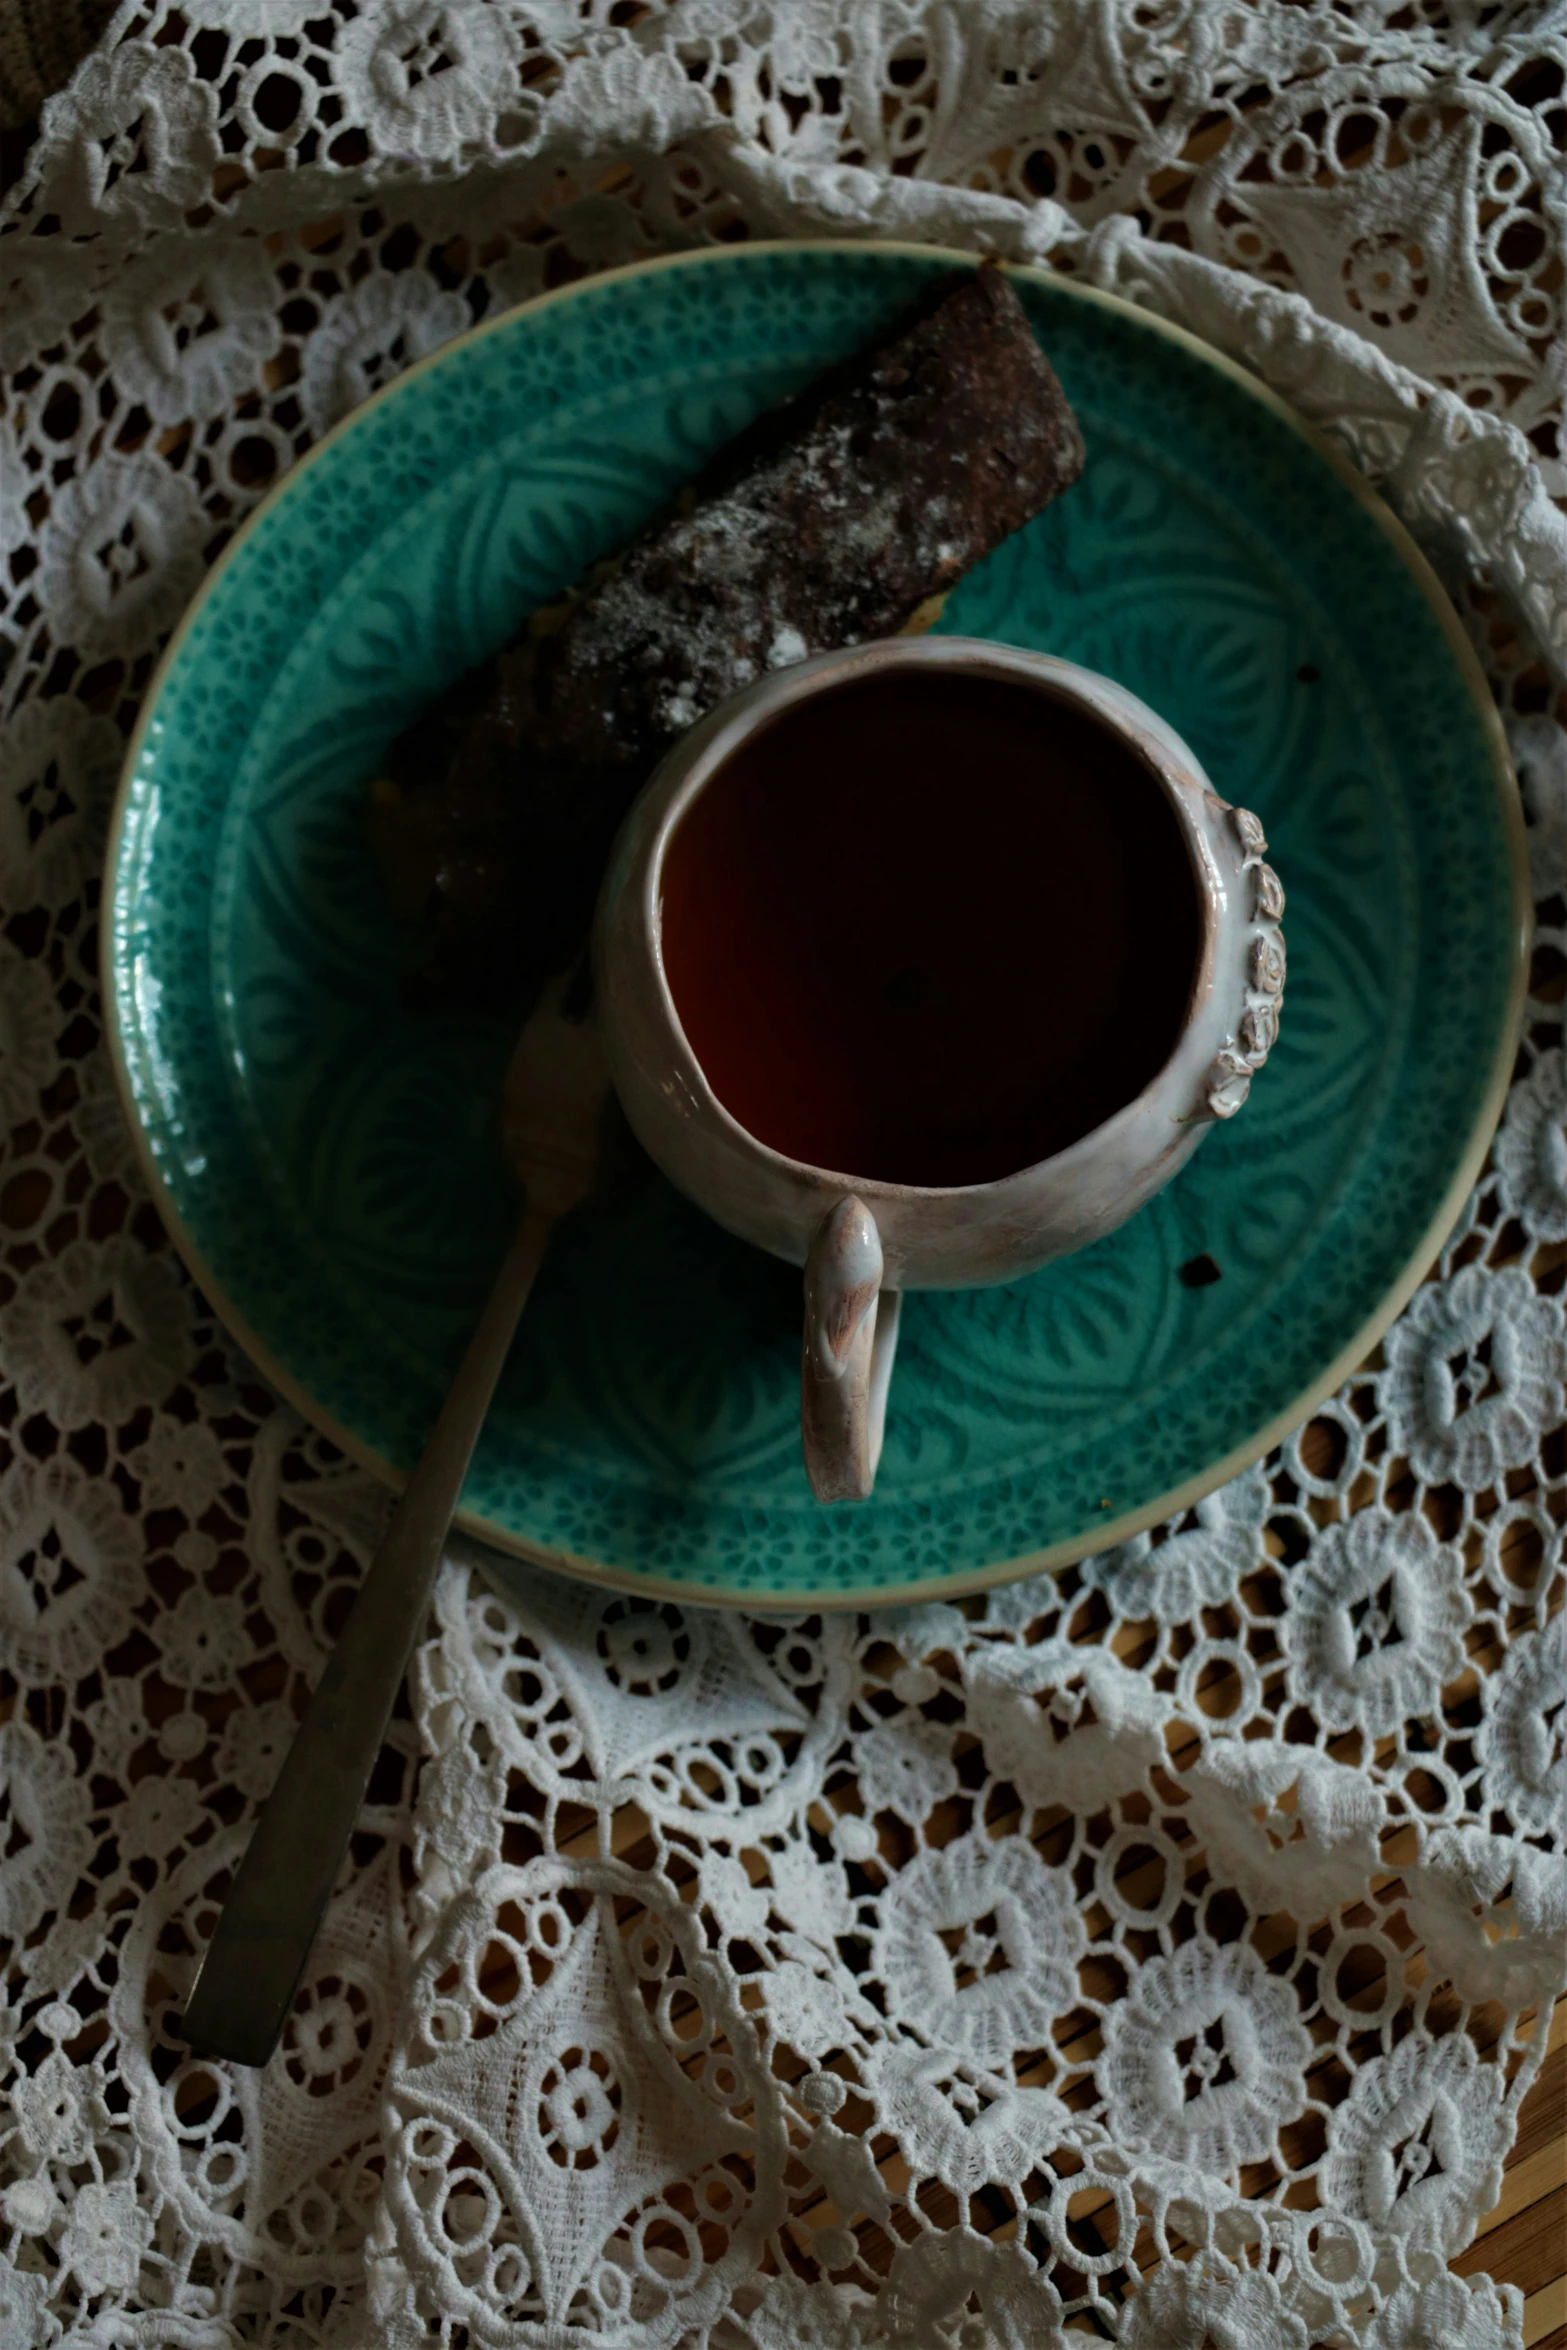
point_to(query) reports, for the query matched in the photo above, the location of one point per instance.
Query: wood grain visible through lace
(1521, 2241)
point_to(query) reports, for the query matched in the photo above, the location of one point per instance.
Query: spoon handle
(273, 1912)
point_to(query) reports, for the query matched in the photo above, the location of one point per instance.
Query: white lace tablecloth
(1159, 1952)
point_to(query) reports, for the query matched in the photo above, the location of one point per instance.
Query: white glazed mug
(864, 1239)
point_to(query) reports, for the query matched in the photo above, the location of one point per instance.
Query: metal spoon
(555, 1092)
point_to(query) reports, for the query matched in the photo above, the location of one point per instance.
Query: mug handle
(851, 1336)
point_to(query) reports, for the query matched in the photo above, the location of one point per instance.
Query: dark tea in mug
(929, 928)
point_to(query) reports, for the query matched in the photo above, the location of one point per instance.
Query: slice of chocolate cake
(831, 521)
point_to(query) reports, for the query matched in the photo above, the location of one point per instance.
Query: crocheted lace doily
(1156, 1953)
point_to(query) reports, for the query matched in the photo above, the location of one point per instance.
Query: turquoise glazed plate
(328, 1164)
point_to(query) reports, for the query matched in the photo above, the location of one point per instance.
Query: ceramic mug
(792, 805)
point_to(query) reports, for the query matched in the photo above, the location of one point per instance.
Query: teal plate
(328, 1166)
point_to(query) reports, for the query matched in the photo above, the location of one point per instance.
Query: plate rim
(1053, 1556)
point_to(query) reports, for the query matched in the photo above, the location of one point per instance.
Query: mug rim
(700, 756)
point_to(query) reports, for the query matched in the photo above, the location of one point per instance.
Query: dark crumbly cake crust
(828, 523)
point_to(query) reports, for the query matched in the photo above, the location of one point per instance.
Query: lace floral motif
(1492, 1914)
(980, 1941)
(50, 1845)
(965, 2132)
(137, 133)
(1521, 1738)
(1531, 1150)
(95, 1331)
(186, 330)
(121, 554)
(1207, 2303)
(1378, 1624)
(203, 1638)
(904, 1767)
(1540, 749)
(182, 1465)
(1442, 2313)
(1473, 1370)
(965, 2285)
(60, 766)
(370, 335)
(105, 2236)
(1064, 1724)
(24, 2308)
(427, 78)
(1416, 2147)
(1289, 1829)
(1197, 1566)
(253, 1746)
(1203, 2060)
(696, 1979)
(59, 2109)
(69, 1553)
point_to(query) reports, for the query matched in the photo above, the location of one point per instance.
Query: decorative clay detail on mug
(1243, 1054)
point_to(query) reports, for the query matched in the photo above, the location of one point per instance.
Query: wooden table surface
(1523, 2242)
